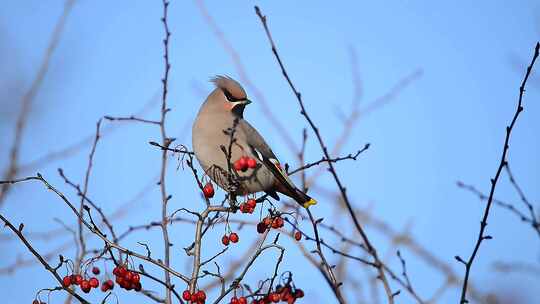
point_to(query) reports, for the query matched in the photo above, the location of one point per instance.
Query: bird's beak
(246, 101)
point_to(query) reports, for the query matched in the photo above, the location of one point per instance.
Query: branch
(131, 118)
(165, 142)
(183, 151)
(47, 266)
(82, 243)
(502, 163)
(482, 197)
(70, 150)
(94, 229)
(240, 277)
(330, 160)
(324, 149)
(89, 201)
(29, 96)
(533, 218)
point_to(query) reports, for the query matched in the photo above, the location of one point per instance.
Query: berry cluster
(127, 279)
(249, 206)
(233, 237)
(240, 300)
(198, 297)
(268, 222)
(283, 294)
(77, 279)
(244, 163)
(208, 190)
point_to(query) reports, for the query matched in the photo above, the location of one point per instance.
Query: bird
(221, 136)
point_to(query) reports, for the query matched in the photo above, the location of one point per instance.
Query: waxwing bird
(220, 130)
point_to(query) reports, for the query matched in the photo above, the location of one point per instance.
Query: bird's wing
(265, 155)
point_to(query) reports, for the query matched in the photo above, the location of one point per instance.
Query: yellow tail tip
(309, 203)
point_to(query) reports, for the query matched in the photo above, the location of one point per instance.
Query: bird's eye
(229, 96)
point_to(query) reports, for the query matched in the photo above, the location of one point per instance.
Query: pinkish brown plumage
(230, 85)
(222, 111)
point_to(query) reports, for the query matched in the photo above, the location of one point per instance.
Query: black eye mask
(229, 96)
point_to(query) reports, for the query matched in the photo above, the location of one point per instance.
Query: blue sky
(447, 125)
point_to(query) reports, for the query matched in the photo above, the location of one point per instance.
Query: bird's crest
(230, 87)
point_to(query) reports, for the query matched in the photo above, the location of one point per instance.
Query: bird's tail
(303, 199)
(284, 184)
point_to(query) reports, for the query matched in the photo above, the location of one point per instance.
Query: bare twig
(131, 118)
(240, 277)
(533, 219)
(89, 201)
(517, 267)
(165, 141)
(324, 149)
(72, 149)
(330, 160)
(510, 207)
(47, 266)
(28, 98)
(481, 237)
(82, 242)
(182, 151)
(94, 229)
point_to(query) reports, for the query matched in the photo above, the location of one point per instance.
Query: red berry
(297, 235)
(234, 237)
(251, 203)
(238, 166)
(136, 278)
(225, 240)
(274, 297)
(277, 223)
(66, 281)
(251, 163)
(78, 279)
(201, 296)
(122, 271)
(243, 208)
(299, 293)
(137, 286)
(95, 270)
(128, 276)
(186, 295)
(128, 285)
(250, 210)
(242, 300)
(104, 287)
(234, 300)
(94, 282)
(285, 293)
(110, 284)
(85, 286)
(120, 280)
(261, 227)
(267, 221)
(241, 164)
(208, 190)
